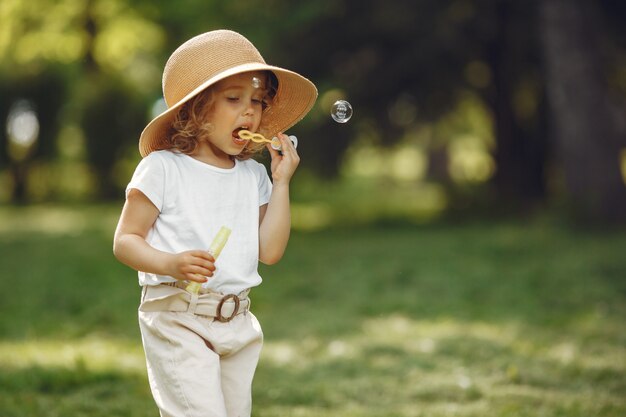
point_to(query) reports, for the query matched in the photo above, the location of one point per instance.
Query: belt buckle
(218, 313)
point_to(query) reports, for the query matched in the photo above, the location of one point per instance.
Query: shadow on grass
(394, 365)
(61, 391)
(470, 320)
(391, 366)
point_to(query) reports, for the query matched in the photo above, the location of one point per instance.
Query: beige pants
(198, 366)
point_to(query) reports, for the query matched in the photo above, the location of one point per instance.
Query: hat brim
(294, 98)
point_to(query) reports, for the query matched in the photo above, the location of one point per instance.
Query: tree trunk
(19, 171)
(585, 134)
(521, 147)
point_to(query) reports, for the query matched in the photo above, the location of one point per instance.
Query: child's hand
(283, 166)
(193, 265)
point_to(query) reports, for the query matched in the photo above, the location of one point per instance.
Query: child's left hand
(283, 166)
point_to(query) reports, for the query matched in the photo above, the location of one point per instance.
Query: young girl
(197, 176)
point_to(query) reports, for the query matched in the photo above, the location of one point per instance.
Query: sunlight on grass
(404, 366)
(93, 353)
(58, 220)
(491, 319)
(395, 365)
(406, 335)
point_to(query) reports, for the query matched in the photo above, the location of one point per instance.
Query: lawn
(479, 319)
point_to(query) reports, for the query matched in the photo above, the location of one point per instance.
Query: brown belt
(171, 297)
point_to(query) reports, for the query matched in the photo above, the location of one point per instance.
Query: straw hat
(210, 57)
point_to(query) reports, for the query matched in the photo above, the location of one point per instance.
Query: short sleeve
(265, 185)
(149, 178)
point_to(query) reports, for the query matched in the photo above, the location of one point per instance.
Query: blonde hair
(190, 126)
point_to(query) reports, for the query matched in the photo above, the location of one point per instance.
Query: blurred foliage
(416, 73)
(110, 116)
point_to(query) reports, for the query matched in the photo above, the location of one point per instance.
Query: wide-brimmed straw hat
(210, 57)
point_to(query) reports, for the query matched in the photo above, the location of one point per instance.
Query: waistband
(183, 285)
(172, 297)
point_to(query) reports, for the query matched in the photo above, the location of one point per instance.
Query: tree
(583, 124)
(380, 53)
(516, 99)
(112, 116)
(45, 93)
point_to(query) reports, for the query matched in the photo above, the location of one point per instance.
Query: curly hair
(190, 126)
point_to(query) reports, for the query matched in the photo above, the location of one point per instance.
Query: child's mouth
(236, 137)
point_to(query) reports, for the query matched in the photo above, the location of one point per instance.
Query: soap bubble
(341, 111)
(256, 82)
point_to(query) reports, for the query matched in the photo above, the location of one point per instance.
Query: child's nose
(249, 109)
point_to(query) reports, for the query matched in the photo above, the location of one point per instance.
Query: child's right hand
(193, 265)
(283, 164)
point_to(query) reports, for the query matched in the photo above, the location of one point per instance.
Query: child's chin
(235, 150)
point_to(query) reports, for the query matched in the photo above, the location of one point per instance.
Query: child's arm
(130, 246)
(275, 217)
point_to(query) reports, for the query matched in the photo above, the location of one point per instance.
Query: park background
(458, 245)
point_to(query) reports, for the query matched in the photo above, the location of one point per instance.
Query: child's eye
(264, 102)
(232, 98)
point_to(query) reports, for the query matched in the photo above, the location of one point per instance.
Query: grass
(491, 319)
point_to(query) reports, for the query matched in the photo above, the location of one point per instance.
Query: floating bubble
(256, 82)
(341, 111)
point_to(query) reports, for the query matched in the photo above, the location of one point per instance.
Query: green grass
(502, 319)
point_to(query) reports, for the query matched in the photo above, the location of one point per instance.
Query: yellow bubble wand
(219, 241)
(259, 138)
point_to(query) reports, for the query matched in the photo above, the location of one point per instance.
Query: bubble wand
(259, 138)
(219, 241)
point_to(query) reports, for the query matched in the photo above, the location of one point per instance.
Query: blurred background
(463, 106)
(458, 244)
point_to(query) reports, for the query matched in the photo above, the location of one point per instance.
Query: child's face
(238, 104)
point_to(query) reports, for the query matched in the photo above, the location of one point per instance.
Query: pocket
(164, 298)
(254, 323)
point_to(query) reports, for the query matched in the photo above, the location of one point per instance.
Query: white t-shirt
(195, 200)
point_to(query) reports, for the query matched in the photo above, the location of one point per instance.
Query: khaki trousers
(198, 366)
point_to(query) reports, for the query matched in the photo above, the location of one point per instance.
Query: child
(197, 176)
